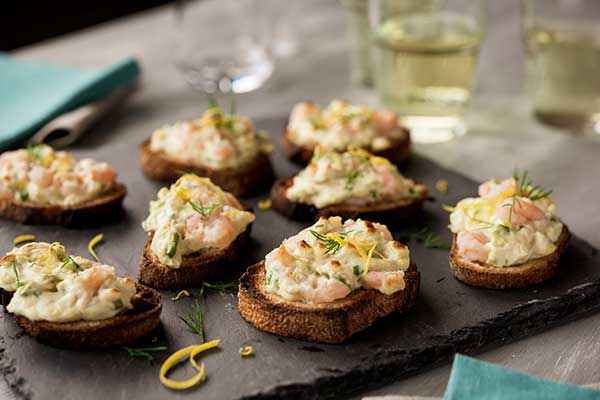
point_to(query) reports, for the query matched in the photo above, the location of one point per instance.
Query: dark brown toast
(195, 268)
(397, 153)
(526, 274)
(326, 323)
(389, 213)
(244, 181)
(90, 213)
(118, 330)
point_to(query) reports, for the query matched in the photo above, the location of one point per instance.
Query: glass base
(426, 129)
(575, 123)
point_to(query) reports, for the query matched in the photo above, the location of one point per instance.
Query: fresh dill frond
(221, 286)
(212, 101)
(144, 352)
(16, 271)
(333, 246)
(69, 259)
(202, 210)
(351, 179)
(430, 240)
(195, 320)
(526, 188)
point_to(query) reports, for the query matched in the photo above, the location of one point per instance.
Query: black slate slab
(448, 317)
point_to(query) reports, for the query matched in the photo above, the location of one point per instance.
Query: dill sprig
(202, 210)
(195, 320)
(526, 188)
(490, 224)
(69, 259)
(144, 352)
(16, 271)
(430, 240)
(212, 101)
(351, 179)
(333, 246)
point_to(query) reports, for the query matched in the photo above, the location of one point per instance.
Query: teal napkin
(33, 93)
(472, 379)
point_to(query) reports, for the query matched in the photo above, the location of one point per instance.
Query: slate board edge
(390, 364)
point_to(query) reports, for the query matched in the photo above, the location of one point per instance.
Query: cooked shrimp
(383, 229)
(104, 173)
(324, 290)
(194, 226)
(90, 282)
(219, 232)
(386, 120)
(472, 246)
(233, 201)
(493, 187)
(385, 282)
(5, 193)
(390, 183)
(520, 211)
(41, 176)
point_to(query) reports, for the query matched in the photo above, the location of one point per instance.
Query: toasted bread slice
(90, 213)
(397, 153)
(326, 323)
(244, 181)
(118, 330)
(526, 274)
(390, 213)
(195, 268)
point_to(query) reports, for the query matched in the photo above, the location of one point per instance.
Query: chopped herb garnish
(356, 270)
(34, 151)
(490, 224)
(16, 271)
(351, 180)
(204, 211)
(526, 188)
(195, 321)
(118, 304)
(345, 282)
(429, 240)
(144, 352)
(23, 194)
(333, 246)
(69, 259)
(173, 247)
(373, 194)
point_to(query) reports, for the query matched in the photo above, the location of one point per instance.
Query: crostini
(508, 237)
(69, 301)
(195, 231)
(226, 148)
(351, 184)
(329, 281)
(340, 125)
(39, 185)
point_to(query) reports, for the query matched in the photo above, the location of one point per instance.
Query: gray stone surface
(501, 134)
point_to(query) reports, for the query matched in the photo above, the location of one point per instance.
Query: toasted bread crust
(526, 274)
(244, 181)
(390, 213)
(326, 323)
(195, 268)
(90, 213)
(114, 331)
(397, 153)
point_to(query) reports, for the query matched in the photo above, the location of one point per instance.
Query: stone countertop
(502, 134)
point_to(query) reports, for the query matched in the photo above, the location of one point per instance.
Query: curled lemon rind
(23, 238)
(95, 240)
(176, 357)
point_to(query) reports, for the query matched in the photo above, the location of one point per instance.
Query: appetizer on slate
(508, 237)
(223, 147)
(329, 281)
(41, 186)
(340, 125)
(69, 301)
(351, 184)
(195, 230)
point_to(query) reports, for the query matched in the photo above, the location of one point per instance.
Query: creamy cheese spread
(510, 223)
(354, 177)
(331, 259)
(340, 124)
(50, 285)
(192, 215)
(216, 140)
(46, 177)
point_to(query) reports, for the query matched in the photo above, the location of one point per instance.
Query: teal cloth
(472, 379)
(33, 93)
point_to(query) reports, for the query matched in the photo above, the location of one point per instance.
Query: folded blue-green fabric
(33, 93)
(472, 379)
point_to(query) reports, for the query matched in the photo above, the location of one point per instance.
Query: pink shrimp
(41, 176)
(493, 187)
(325, 290)
(520, 211)
(219, 233)
(383, 229)
(391, 185)
(5, 193)
(104, 173)
(386, 282)
(471, 245)
(386, 120)
(90, 282)
(231, 199)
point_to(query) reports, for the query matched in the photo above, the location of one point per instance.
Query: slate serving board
(448, 317)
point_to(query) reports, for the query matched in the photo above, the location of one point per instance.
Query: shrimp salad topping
(341, 124)
(331, 259)
(43, 176)
(192, 215)
(216, 140)
(50, 285)
(511, 222)
(354, 177)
